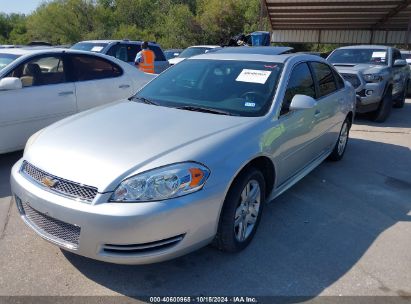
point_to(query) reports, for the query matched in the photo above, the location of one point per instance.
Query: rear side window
(325, 78)
(91, 68)
(159, 55)
(300, 82)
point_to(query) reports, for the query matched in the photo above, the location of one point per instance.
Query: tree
(178, 28)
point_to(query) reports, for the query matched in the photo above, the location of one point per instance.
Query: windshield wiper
(206, 110)
(143, 100)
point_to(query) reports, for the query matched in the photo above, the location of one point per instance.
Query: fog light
(369, 92)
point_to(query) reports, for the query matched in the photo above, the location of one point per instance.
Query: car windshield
(358, 56)
(192, 51)
(6, 59)
(89, 46)
(241, 88)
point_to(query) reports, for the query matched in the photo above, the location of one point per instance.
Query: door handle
(66, 93)
(124, 86)
(317, 113)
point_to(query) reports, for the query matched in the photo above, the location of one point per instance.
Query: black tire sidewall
(384, 108)
(225, 239)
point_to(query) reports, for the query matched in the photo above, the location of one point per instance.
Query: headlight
(162, 183)
(373, 77)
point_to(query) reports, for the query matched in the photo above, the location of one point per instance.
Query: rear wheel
(341, 145)
(241, 211)
(384, 109)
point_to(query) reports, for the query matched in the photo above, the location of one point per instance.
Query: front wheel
(341, 145)
(384, 108)
(399, 103)
(241, 211)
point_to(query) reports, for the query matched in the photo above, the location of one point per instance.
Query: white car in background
(192, 51)
(41, 86)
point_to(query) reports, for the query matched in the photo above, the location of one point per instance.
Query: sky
(19, 6)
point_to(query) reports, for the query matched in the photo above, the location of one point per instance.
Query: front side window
(119, 51)
(325, 78)
(396, 55)
(6, 59)
(93, 68)
(358, 56)
(243, 88)
(40, 71)
(300, 82)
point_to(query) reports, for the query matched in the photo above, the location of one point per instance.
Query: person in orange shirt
(145, 59)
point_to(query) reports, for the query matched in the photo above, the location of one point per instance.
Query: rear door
(330, 97)
(98, 81)
(47, 96)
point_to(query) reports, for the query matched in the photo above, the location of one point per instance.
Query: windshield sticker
(270, 66)
(96, 48)
(250, 104)
(253, 76)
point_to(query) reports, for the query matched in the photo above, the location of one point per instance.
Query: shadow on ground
(6, 162)
(397, 119)
(308, 238)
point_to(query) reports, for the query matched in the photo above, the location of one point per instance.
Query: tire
(236, 211)
(399, 103)
(384, 109)
(341, 144)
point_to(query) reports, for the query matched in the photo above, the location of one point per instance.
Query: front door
(46, 97)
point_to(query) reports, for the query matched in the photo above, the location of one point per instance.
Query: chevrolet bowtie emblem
(48, 182)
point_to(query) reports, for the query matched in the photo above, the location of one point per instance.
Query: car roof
(204, 46)
(173, 50)
(254, 57)
(26, 50)
(114, 41)
(365, 46)
(262, 50)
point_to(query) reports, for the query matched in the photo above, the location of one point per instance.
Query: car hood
(362, 68)
(98, 147)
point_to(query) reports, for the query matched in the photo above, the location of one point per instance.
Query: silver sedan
(190, 160)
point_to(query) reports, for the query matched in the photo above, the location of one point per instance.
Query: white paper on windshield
(97, 48)
(253, 76)
(378, 54)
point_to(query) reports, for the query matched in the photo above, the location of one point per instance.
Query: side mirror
(400, 63)
(302, 102)
(10, 83)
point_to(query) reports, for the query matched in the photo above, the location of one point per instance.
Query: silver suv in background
(125, 50)
(379, 75)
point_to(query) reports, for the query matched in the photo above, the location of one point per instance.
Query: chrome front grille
(353, 79)
(59, 185)
(62, 233)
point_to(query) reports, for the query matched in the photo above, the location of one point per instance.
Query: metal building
(340, 21)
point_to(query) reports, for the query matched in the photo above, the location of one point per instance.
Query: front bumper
(123, 233)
